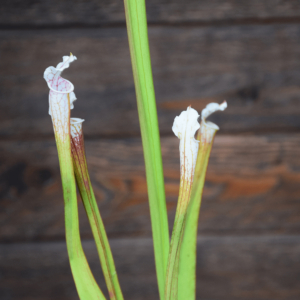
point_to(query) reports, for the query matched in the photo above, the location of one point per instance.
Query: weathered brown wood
(250, 268)
(51, 13)
(252, 187)
(255, 68)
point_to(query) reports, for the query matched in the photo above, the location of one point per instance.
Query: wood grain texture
(255, 68)
(246, 52)
(228, 268)
(79, 12)
(252, 187)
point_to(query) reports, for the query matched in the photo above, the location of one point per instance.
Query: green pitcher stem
(91, 208)
(141, 65)
(187, 260)
(85, 283)
(176, 240)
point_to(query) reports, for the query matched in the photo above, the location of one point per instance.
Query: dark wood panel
(255, 68)
(37, 13)
(252, 187)
(250, 268)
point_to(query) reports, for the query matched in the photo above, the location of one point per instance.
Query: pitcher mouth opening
(76, 121)
(210, 125)
(62, 92)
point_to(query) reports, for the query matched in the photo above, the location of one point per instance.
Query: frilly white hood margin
(208, 129)
(185, 127)
(61, 97)
(59, 87)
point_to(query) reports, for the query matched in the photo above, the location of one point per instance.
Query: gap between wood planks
(122, 24)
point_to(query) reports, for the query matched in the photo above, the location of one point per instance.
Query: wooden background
(247, 52)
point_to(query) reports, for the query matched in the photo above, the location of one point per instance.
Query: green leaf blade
(141, 64)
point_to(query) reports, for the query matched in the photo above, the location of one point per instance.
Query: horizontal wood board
(255, 68)
(252, 187)
(105, 12)
(228, 268)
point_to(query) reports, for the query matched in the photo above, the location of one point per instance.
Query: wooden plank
(255, 68)
(82, 13)
(250, 268)
(252, 187)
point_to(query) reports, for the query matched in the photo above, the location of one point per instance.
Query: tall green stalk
(141, 65)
